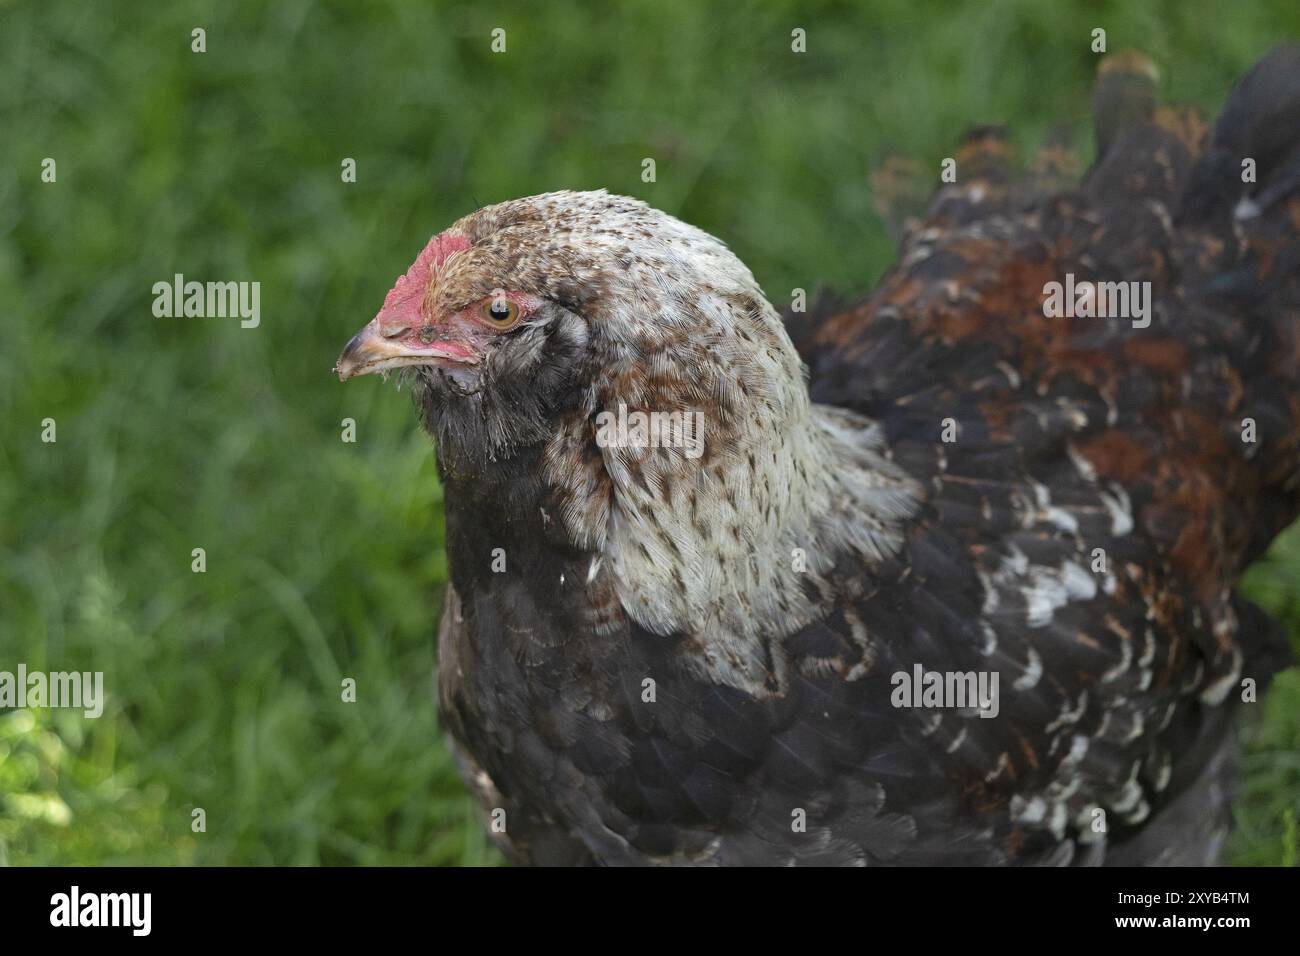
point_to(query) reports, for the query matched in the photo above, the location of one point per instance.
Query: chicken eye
(499, 313)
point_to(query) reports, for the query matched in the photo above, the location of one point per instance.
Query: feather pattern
(696, 659)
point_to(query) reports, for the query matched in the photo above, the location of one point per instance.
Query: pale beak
(372, 350)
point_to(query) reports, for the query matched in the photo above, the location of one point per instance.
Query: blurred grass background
(324, 559)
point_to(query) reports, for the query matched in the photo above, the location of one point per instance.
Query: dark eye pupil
(500, 310)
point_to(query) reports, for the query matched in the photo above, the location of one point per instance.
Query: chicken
(950, 584)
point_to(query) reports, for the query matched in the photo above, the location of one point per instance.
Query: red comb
(402, 304)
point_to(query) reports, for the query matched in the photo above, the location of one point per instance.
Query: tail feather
(1125, 96)
(1143, 152)
(1241, 259)
(1253, 162)
(1055, 166)
(984, 172)
(1186, 122)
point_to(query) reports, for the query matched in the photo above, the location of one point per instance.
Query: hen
(966, 599)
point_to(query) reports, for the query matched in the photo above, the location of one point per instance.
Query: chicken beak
(373, 350)
(366, 351)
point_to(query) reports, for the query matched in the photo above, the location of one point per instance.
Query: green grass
(324, 559)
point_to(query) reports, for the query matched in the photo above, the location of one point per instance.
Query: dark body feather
(1073, 434)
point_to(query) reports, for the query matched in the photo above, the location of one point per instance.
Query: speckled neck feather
(730, 547)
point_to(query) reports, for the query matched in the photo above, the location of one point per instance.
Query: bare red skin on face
(460, 337)
(402, 305)
(470, 326)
